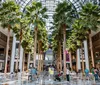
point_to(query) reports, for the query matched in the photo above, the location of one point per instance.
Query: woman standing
(67, 74)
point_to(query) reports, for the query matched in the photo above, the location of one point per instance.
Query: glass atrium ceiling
(51, 5)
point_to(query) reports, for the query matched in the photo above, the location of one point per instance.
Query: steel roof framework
(51, 5)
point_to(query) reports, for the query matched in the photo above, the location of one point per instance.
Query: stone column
(21, 59)
(86, 54)
(78, 59)
(13, 54)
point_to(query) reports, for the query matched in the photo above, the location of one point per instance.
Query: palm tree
(64, 16)
(27, 45)
(21, 29)
(37, 15)
(79, 35)
(42, 46)
(90, 15)
(56, 44)
(9, 12)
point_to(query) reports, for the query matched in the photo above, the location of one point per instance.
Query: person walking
(92, 70)
(86, 72)
(19, 77)
(30, 74)
(99, 72)
(96, 74)
(51, 72)
(34, 73)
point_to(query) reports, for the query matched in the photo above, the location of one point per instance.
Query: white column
(21, 59)
(28, 61)
(78, 59)
(13, 54)
(86, 54)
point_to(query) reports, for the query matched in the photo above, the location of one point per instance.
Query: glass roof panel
(51, 5)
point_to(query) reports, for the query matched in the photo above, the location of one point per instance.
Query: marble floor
(50, 82)
(46, 80)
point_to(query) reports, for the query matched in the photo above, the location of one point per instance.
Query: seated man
(58, 76)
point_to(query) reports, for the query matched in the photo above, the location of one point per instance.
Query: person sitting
(58, 76)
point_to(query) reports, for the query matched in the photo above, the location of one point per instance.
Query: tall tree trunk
(77, 60)
(42, 62)
(7, 49)
(70, 60)
(38, 57)
(60, 56)
(23, 62)
(64, 49)
(57, 63)
(35, 47)
(58, 59)
(28, 61)
(82, 59)
(91, 49)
